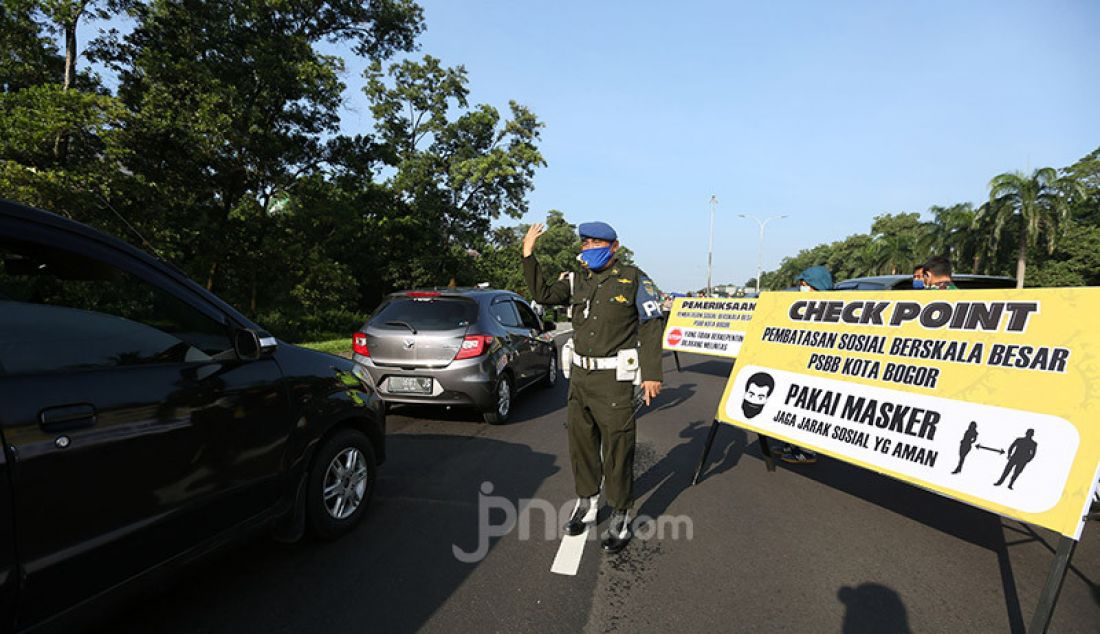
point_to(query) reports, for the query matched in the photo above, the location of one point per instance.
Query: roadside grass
(341, 346)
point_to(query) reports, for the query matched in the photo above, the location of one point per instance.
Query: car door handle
(67, 418)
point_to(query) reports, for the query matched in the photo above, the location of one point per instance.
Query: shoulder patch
(647, 300)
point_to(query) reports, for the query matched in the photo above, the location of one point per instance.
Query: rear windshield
(434, 313)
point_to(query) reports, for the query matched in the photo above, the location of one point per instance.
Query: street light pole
(710, 244)
(760, 244)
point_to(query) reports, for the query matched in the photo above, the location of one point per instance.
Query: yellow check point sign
(988, 397)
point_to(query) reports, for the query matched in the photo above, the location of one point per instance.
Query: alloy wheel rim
(345, 483)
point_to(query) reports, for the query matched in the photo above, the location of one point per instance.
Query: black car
(145, 422)
(905, 282)
(457, 346)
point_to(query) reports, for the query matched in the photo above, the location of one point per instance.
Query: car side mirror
(548, 326)
(247, 344)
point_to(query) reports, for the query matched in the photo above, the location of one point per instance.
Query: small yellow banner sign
(708, 325)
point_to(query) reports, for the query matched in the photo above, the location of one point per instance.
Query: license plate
(410, 384)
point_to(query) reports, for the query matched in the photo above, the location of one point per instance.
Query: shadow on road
(730, 443)
(714, 367)
(390, 574)
(672, 396)
(670, 476)
(954, 518)
(873, 608)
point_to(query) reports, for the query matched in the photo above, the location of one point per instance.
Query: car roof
(886, 279)
(889, 281)
(447, 291)
(26, 213)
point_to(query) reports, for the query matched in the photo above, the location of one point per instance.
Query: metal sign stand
(1053, 586)
(765, 448)
(677, 358)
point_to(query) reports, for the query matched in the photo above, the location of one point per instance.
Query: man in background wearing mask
(918, 277)
(615, 307)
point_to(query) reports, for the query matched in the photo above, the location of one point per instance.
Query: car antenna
(147, 244)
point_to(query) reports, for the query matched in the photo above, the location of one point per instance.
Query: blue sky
(828, 112)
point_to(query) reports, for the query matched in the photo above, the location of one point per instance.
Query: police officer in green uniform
(616, 345)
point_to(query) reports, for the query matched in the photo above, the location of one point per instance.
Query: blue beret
(597, 230)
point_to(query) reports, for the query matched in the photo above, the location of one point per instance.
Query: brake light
(359, 344)
(473, 346)
(422, 294)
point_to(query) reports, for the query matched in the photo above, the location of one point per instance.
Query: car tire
(551, 378)
(502, 402)
(341, 482)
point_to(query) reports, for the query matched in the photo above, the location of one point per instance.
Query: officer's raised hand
(532, 237)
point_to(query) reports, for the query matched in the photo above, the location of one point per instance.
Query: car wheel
(502, 404)
(340, 483)
(551, 378)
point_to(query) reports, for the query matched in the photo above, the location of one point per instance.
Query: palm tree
(1039, 202)
(950, 233)
(893, 253)
(981, 227)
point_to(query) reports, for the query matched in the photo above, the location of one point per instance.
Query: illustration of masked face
(755, 397)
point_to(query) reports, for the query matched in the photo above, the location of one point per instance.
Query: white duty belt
(596, 363)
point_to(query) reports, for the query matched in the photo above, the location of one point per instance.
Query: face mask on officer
(918, 283)
(595, 258)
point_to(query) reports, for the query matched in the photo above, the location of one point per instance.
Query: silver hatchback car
(476, 347)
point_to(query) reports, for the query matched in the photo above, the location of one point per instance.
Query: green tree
(950, 234)
(1037, 204)
(457, 166)
(1086, 173)
(896, 242)
(850, 257)
(1075, 260)
(233, 105)
(57, 124)
(31, 120)
(28, 56)
(65, 16)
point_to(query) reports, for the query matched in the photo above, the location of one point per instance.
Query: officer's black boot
(575, 525)
(618, 532)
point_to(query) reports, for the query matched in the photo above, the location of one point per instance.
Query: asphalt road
(813, 548)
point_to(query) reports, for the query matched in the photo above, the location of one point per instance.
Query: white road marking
(568, 559)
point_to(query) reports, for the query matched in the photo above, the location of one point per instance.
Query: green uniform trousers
(601, 413)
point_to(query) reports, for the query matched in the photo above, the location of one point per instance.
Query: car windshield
(425, 313)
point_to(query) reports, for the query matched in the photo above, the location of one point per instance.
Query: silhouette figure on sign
(757, 391)
(1020, 453)
(968, 440)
